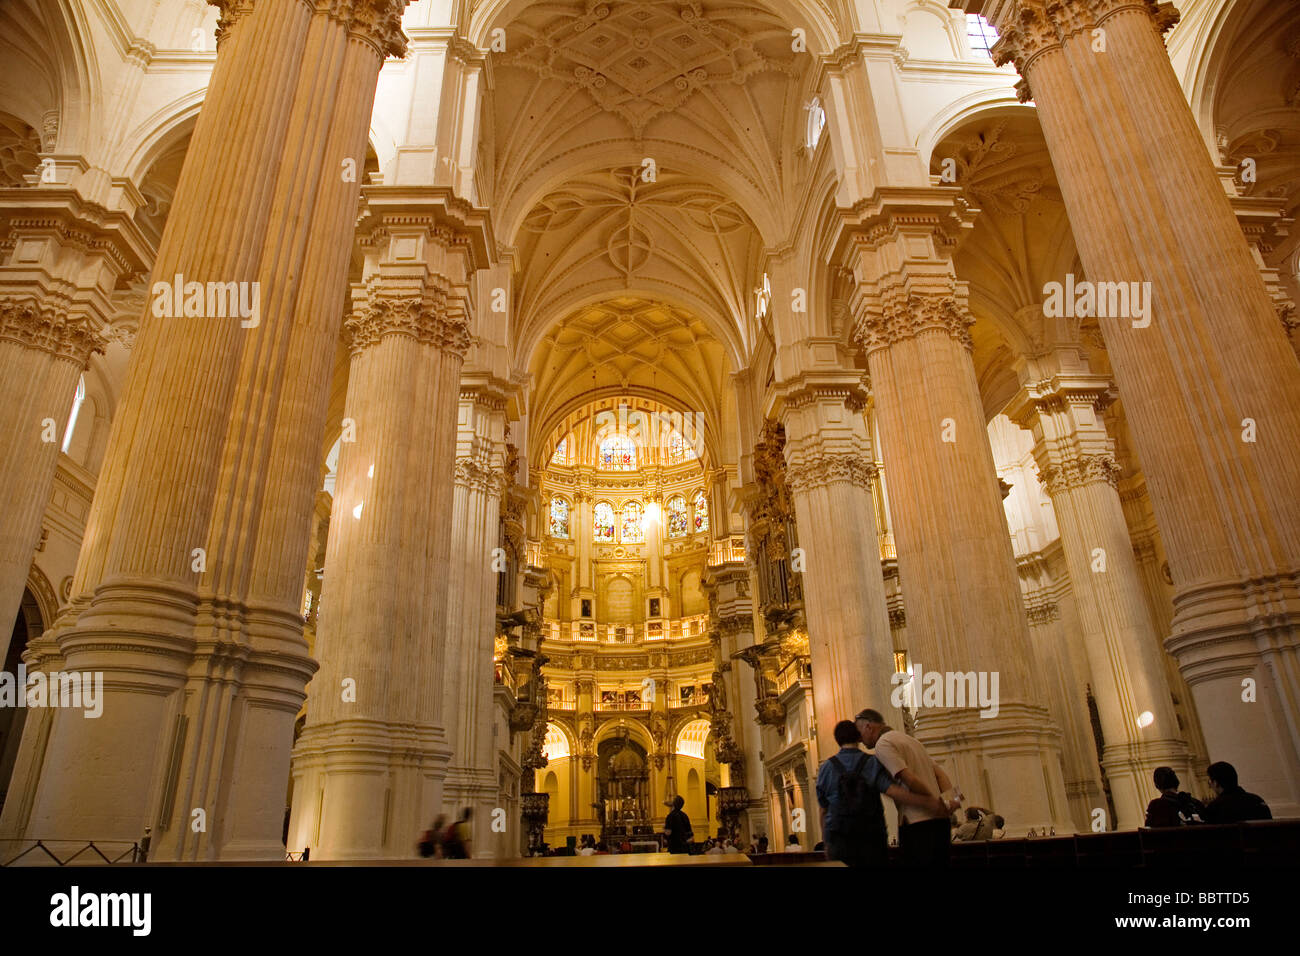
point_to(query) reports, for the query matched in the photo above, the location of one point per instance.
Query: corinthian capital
(830, 469)
(1078, 471)
(48, 329)
(376, 22)
(424, 319)
(1030, 28)
(899, 320)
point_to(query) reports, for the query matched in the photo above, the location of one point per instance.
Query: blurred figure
(1172, 808)
(792, 844)
(431, 841)
(966, 831)
(677, 828)
(762, 844)
(999, 827)
(455, 844)
(1231, 804)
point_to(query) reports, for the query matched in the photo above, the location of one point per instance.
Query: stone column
(733, 608)
(965, 614)
(1076, 465)
(62, 257)
(467, 684)
(43, 351)
(1210, 384)
(369, 767)
(188, 590)
(829, 470)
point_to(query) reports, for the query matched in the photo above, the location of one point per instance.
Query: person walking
(924, 833)
(677, 828)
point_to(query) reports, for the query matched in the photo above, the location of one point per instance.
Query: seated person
(1172, 808)
(1232, 804)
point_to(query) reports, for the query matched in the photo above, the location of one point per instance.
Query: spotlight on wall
(356, 512)
(1146, 719)
(651, 515)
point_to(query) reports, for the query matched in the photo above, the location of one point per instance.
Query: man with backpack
(849, 785)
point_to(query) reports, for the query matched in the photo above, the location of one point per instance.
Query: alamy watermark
(654, 429)
(211, 300)
(1103, 300)
(82, 690)
(946, 689)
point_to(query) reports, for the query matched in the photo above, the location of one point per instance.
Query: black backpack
(858, 808)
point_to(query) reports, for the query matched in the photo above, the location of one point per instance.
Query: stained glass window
(676, 509)
(701, 512)
(602, 524)
(982, 34)
(561, 456)
(633, 530)
(559, 518)
(679, 449)
(618, 453)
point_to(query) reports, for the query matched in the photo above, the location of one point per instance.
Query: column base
(1130, 769)
(1010, 763)
(1237, 644)
(366, 789)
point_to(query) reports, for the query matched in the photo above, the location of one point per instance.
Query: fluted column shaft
(1146, 206)
(1076, 466)
(471, 600)
(42, 354)
(956, 565)
(829, 470)
(368, 769)
(187, 589)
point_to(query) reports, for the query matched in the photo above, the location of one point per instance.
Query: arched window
(816, 123)
(677, 523)
(602, 522)
(982, 35)
(555, 746)
(561, 456)
(618, 453)
(559, 518)
(679, 449)
(76, 408)
(633, 528)
(701, 504)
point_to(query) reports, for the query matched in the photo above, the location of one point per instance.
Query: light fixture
(1146, 719)
(371, 472)
(356, 512)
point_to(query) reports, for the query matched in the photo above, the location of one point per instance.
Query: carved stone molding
(423, 319)
(899, 321)
(1043, 613)
(1031, 28)
(1077, 471)
(377, 22)
(49, 330)
(830, 469)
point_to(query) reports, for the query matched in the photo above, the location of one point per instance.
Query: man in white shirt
(923, 835)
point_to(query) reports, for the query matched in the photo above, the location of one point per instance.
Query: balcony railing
(622, 705)
(656, 629)
(725, 550)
